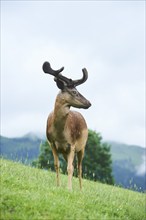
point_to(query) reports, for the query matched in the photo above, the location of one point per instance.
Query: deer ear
(60, 84)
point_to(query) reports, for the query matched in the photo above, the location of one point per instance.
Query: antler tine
(47, 69)
(83, 79)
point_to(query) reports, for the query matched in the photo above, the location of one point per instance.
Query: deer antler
(58, 76)
(83, 79)
(56, 73)
(47, 69)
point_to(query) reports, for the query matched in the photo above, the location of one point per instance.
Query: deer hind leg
(70, 168)
(56, 164)
(80, 155)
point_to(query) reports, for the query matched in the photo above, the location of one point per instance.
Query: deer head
(68, 87)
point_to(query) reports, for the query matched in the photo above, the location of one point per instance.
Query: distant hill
(24, 149)
(127, 159)
(122, 151)
(129, 165)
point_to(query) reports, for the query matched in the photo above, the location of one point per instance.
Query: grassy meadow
(31, 194)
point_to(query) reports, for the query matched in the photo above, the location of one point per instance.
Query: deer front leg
(80, 155)
(70, 167)
(56, 164)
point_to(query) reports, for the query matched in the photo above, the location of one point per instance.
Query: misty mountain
(128, 160)
(122, 151)
(24, 149)
(129, 165)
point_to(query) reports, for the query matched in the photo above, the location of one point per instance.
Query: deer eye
(74, 92)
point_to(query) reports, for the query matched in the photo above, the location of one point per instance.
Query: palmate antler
(58, 76)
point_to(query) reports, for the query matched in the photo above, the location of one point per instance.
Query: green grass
(31, 194)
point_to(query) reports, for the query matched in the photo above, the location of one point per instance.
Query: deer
(66, 130)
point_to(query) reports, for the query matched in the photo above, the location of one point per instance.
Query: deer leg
(80, 155)
(56, 164)
(70, 167)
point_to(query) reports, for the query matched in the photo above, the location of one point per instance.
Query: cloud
(141, 170)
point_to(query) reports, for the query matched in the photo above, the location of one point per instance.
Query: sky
(105, 37)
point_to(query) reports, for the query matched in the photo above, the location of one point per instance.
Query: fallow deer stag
(66, 130)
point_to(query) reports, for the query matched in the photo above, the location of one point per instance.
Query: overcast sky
(106, 37)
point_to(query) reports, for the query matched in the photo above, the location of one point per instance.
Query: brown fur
(73, 131)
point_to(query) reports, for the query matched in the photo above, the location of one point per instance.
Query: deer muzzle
(86, 105)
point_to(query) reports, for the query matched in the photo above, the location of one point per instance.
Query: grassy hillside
(29, 193)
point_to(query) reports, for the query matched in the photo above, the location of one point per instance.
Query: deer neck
(61, 112)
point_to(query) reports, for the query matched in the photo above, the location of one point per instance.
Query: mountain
(129, 165)
(23, 149)
(128, 160)
(122, 151)
(34, 136)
